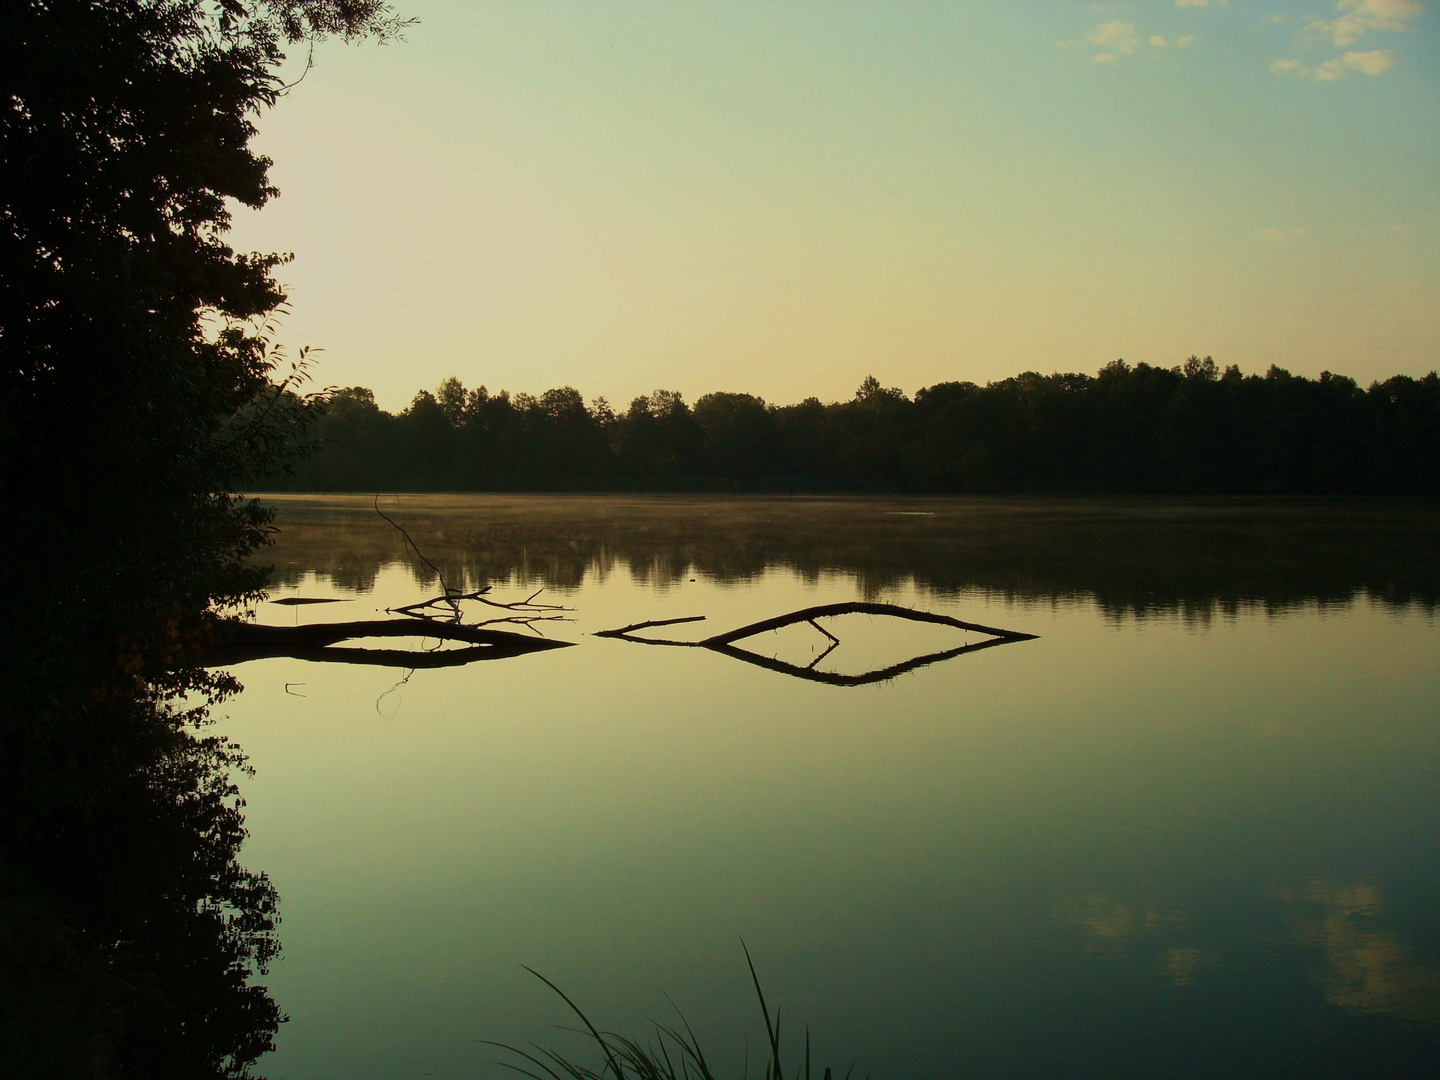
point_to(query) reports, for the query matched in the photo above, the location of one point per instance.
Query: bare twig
(528, 604)
(834, 644)
(527, 621)
(444, 586)
(527, 607)
(421, 609)
(309, 63)
(387, 693)
(833, 639)
(451, 598)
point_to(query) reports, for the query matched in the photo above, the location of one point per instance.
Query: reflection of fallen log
(725, 643)
(239, 642)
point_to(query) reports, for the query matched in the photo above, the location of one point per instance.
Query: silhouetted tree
(140, 388)
(740, 439)
(1141, 429)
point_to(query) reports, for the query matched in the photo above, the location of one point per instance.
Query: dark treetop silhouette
(1185, 430)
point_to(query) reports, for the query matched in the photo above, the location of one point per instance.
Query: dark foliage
(130, 935)
(1132, 430)
(139, 388)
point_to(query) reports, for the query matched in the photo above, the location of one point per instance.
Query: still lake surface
(1192, 829)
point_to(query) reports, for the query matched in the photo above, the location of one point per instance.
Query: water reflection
(1367, 968)
(1182, 965)
(131, 936)
(1131, 557)
(1048, 860)
(1113, 925)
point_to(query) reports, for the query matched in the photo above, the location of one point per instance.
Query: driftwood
(438, 618)
(250, 641)
(725, 643)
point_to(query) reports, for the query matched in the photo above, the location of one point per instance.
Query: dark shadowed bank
(140, 387)
(1191, 429)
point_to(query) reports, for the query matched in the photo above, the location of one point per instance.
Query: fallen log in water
(238, 642)
(725, 643)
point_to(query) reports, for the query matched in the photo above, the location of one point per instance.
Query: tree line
(1189, 429)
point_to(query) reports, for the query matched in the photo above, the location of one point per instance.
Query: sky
(782, 198)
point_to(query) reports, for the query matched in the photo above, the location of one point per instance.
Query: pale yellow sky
(784, 198)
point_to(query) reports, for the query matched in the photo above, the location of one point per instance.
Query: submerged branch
(249, 641)
(725, 643)
(438, 617)
(861, 608)
(626, 631)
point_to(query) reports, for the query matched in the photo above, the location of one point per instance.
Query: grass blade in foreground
(672, 1053)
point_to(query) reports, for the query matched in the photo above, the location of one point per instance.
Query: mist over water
(1187, 830)
(1128, 556)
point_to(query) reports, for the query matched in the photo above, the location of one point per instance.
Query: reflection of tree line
(1128, 556)
(1190, 429)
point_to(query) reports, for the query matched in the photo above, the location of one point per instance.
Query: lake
(1190, 829)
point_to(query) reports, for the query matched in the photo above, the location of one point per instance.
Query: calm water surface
(1190, 830)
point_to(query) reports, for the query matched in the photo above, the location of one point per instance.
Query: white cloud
(1116, 34)
(1198, 3)
(1355, 18)
(1112, 40)
(1375, 62)
(1116, 39)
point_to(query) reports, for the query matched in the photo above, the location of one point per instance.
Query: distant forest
(1128, 429)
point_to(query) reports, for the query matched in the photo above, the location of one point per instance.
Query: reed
(672, 1053)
